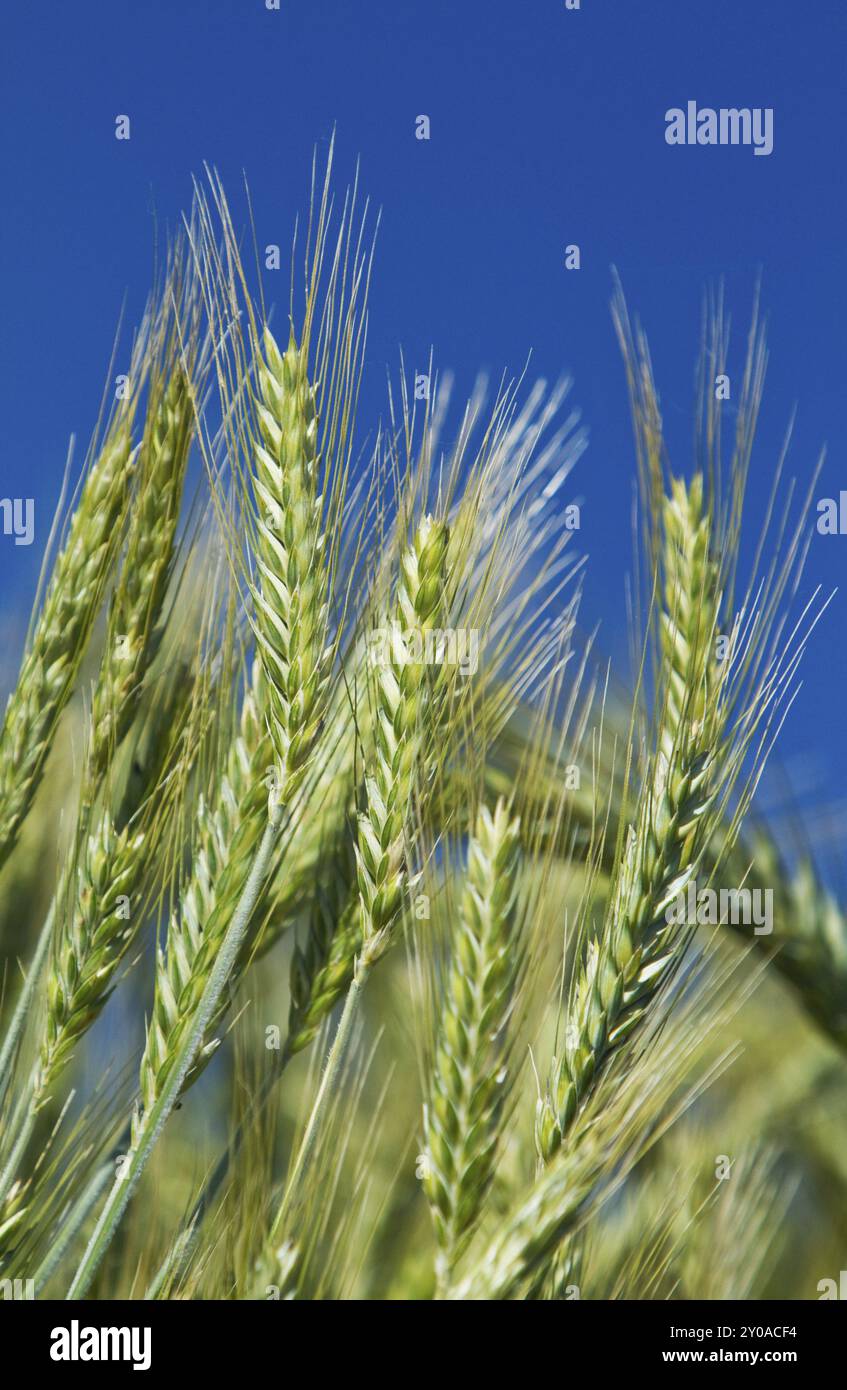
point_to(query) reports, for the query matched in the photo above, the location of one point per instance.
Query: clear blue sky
(547, 129)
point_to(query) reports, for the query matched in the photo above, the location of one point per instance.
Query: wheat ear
(280, 714)
(90, 945)
(71, 603)
(397, 766)
(97, 911)
(136, 605)
(104, 913)
(406, 710)
(227, 836)
(399, 731)
(622, 972)
(91, 940)
(321, 967)
(808, 944)
(291, 596)
(533, 1231)
(467, 1089)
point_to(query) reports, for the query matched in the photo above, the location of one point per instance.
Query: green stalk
(328, 1086)
(71, 1224)
(25, 998)
(21, 1126)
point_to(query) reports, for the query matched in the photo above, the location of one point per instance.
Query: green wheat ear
(280, 716)
(402, 697)
(407, 704)
(73, 598)
(321, 967)
(101, 910)
(227, 834)
(622, 972)
(291, 595)
(135, 610)
(468, 1085)
(89, 945)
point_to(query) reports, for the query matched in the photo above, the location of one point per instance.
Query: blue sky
(547, 129)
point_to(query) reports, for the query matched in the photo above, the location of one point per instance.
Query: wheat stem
(329, 1082)
(25, 999)
(72, 1223)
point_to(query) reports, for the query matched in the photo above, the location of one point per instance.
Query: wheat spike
(227, 835)
(468, 1083)
(321, 967)
(100, 914)
(408, 702)
(808, 944)
(90, 946)
(93, 936)
(280, 716)
(291, 596)
(135, 608)
(402, 702)
(623, 971)
(71, 603)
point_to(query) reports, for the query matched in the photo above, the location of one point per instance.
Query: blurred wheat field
(364, 935)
